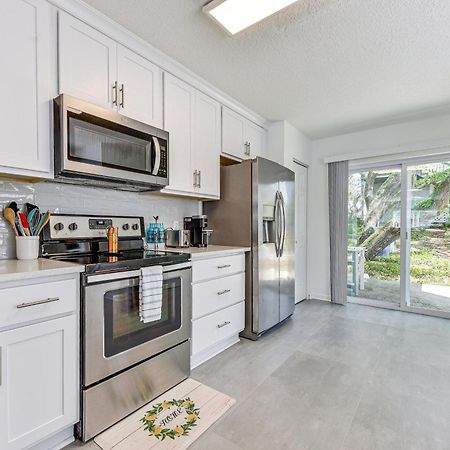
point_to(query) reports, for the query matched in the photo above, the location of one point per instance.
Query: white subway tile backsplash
(65, 198)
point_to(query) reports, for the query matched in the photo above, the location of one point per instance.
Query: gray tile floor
(335, 377)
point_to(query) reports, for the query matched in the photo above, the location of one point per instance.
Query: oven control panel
(63, 226)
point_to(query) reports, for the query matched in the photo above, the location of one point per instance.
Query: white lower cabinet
(38, 363)
(218, 305)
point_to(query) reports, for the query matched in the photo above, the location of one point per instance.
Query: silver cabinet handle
(225, 291)
(38, 302)
(195, 184)
(114, 88)
(221, 325)
(224, 266)
(122, 92)
(199, 178)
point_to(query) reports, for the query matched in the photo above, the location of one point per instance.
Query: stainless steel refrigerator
(256, 210)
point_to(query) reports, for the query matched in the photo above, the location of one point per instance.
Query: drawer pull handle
(224, 266)
(38, 302)
(225, 291)
(221, 325)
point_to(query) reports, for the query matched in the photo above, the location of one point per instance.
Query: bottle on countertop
(113, 239)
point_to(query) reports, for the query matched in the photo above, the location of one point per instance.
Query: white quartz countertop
(208, 252)
(14, 269)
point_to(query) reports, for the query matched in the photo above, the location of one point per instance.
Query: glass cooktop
(126, 260)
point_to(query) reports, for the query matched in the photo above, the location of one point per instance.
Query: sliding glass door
(373, 266)
(399, 236)
(428, 236)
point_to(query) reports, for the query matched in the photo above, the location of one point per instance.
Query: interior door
(266, 310)
(206, 149)
(287, 244)
(301, 183)
(87, 62)
(139, 87)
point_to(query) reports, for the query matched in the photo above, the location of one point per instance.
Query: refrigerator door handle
(277, 224)
(283, 214)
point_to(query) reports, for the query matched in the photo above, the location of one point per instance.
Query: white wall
(388, 140)
(286, 142)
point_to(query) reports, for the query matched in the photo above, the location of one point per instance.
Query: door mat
(172, 421)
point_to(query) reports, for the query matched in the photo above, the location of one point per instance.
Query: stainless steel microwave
(97, 146)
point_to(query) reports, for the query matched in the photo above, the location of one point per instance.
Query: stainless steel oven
(98, 146)
(126, 362)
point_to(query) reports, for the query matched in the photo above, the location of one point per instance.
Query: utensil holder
(27, 247)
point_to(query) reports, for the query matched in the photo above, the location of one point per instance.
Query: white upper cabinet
(233, 133)
(206, 150)
(179, 122)
(25, 81)
(241, 138)
(193, 122)
(97, 69)
(140, 87)
(256, 138)
(87, 62)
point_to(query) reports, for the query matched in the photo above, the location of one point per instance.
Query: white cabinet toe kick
(218, 305)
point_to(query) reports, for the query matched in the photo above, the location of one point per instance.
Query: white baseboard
(323, 297)
(57, 441)
(204, 355)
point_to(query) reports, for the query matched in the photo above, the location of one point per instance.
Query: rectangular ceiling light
(236, 15)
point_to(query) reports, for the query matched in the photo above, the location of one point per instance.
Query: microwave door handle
(148, 156)
(157, 156)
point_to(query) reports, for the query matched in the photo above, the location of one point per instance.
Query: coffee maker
(197, 227)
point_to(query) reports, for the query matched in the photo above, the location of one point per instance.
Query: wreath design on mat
(160, 429)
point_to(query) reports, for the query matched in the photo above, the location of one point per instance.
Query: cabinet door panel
(179, 104)
(25, 111)
(233, 133)
(255, 135)
(142, 81)
(206, 149)
(39, 384)
(87, 62)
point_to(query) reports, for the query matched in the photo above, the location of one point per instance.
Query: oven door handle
(131, 273)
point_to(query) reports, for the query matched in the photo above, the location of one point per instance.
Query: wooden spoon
(10, 216)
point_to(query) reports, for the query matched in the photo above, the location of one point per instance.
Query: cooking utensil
(14, 207)
(44, 220)
(29, 207)
(20, 227)
(23, 220)
(10, 217)
(33, 219)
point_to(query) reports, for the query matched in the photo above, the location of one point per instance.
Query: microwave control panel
(162, 172)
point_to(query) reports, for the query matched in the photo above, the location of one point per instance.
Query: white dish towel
(150, 293)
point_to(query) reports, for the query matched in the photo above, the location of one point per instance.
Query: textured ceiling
(326, 66)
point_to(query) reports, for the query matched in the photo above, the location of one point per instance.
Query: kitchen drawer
(213, 295)
(210, 330)
(59, 297)
(217, 267)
